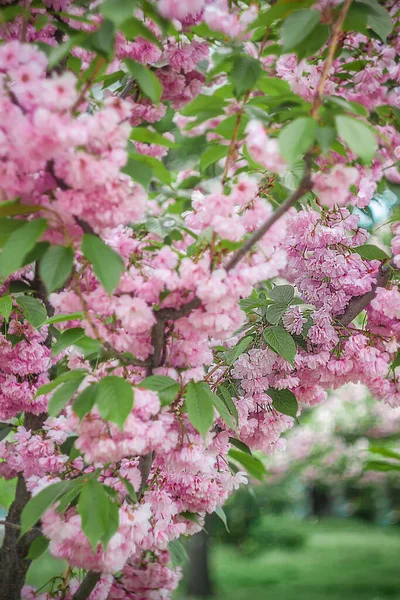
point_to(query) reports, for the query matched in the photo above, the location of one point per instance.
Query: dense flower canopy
(182, 266)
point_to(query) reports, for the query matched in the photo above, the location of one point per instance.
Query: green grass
(341, 560)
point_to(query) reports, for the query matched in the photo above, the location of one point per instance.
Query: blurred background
(325, 524)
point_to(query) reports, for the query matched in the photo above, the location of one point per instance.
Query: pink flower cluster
(68, 164)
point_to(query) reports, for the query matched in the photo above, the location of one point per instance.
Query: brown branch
(145, 463)
(304, 187)
(87, 586)
(358, 303)
(128, 88)
(333, 43)
(158, 330)
(86, 228)
(60, 182)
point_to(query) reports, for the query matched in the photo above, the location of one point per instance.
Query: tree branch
(145, 463)
(358, 303)
(304, 187)
(87, 586)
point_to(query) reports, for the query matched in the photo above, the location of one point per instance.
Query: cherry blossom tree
(162, 163)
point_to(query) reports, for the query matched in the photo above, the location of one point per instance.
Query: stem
(232, 145)
(87, 586)
(333, 43)
(100, 63)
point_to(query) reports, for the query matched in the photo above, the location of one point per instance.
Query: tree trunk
(198, 575)
(13, 562)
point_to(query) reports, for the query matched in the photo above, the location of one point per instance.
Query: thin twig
(16, 526)
(304, 187)
(333, 43)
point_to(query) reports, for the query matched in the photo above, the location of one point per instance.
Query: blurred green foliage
(341, 560)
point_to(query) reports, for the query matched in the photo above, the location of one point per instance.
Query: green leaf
(38, 546)
(244, 74)
(219, 511)
(296, 138)
(66, 339)
(272, 86)
(211, 155)
(94, 509)
(219, 405)
(102, 40)
(325, 137)
(57, 53)
(6, 306)
(279, 11)
(275, 311)
(253, 465)
(385, 452)
(19, 244)
(56, 266)
(190, 516)
(62, 317)
(38, 251)
(297, 26)
(157, 167)
(284, 401)
(112, 523)
(34, 311)
(133, 28)
(227, 399)
(148, 82)
(379, 19)
(232, 355)
(129, 488)
(141, 134)
(72, 492)
(114, 399)
(107, 264)
(7, 227)
(5, 429)
(370, 252)
(178, 553)
(282, 293)
(8, 209)
(138, 171)
(85, 401)
(348, 105)
(240, 446)
(117, 11)
(40, 503)
(358, 136)
(313, 42)
(203, 103)
(280, 341)
(380, 465)
(166, 387)
(199, 407)
(48, 387)
(63, 395)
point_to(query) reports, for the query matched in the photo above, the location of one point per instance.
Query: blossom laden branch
(359, 303)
